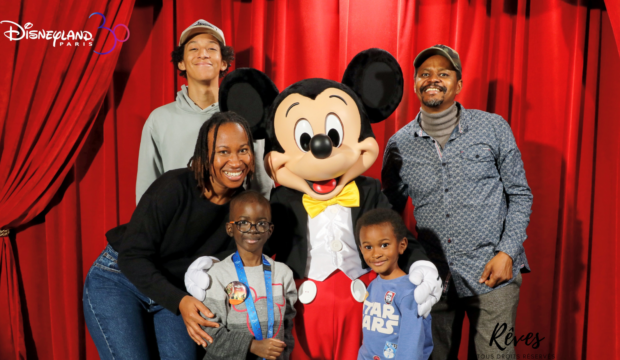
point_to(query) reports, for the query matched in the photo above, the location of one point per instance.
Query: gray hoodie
(232, 340)
(169, 138)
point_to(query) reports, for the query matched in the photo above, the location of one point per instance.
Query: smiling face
(233, 157)
(436, 84)
(320, 139)
(202, 58)
(380, 249)
(252, 211)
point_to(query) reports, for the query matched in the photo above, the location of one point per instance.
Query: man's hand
(497, 270)
(268, 348)
(190, 309)
(425, 276)
(196, 278)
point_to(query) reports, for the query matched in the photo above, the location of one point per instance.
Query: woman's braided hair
(201, 162)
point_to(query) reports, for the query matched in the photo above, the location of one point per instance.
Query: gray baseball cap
(199, 27)
(442, 50)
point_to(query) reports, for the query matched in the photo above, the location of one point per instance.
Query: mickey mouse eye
(333, 129)
(303, 134)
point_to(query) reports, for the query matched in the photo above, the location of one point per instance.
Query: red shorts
(330, 327)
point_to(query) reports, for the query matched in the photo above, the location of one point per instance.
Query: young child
(231, 300)
(392, 328)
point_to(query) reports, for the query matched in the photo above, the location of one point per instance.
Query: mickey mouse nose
(321, 146)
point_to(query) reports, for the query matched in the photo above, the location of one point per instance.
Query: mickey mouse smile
(324, 186)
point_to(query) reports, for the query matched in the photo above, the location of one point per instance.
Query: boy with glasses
(251, 295)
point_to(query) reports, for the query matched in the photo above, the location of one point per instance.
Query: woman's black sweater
(171, 227)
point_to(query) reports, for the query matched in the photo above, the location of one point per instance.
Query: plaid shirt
(471, 198)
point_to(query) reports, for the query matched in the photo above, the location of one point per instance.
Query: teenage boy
(392, 328)
(251, 295)
(169, 134)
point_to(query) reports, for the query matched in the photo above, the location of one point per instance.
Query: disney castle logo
(62, 38)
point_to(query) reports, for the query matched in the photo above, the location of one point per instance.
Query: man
(169, 134)
(464, 174)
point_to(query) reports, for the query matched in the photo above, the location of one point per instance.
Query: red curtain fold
(12, 345)
(613, 8)
(548, 67)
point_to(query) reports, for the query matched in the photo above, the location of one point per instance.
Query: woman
(132, 305)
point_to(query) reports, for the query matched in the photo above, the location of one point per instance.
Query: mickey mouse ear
(375, 76)
(249, 93)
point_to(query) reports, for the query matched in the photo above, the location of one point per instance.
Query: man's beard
(433, 103)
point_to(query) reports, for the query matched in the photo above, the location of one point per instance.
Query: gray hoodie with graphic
(169, 138)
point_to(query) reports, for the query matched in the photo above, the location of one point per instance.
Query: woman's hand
(190, 309)
(268, 348)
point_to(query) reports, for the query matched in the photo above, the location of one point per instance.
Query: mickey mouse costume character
(319, 141)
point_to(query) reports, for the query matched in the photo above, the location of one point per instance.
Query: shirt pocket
(478, 163)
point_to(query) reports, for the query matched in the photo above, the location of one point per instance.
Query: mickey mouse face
(320, 139)
(318, 131)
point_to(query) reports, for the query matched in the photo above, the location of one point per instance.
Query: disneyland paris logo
(62, 38)
(19, 33)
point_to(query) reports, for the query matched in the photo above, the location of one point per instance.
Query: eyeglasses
(245, 226)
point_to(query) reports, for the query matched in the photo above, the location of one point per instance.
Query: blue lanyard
(249, 300)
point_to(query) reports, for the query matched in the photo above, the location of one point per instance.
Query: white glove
(196, 278)
(425, 276)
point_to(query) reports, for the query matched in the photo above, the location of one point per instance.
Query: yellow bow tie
(349, 197)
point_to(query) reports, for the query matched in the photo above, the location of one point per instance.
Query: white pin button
(358, 290)
(307, 292)
(333, 210)
(335, 245)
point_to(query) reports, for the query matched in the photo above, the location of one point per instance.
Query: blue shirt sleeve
(428, 338)
(519, 194)
(415, 341)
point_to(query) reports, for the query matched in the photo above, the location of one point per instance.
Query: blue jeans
(124, 323)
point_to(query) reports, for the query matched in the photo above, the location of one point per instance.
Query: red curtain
(547, 66)
(50, 97)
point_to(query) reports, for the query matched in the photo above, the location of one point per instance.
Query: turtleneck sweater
(440, 125)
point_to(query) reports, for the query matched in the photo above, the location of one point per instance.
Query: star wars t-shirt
(392, 328)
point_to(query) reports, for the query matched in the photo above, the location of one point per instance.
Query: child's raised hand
(268, 348)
